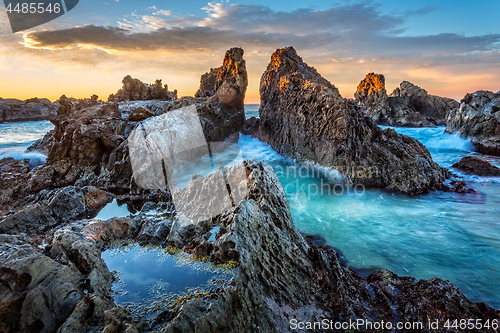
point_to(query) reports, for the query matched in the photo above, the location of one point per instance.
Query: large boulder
(407, 106)
(303, 116)
(12, 110)
(478, 117)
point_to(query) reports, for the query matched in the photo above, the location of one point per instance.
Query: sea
(452, 236)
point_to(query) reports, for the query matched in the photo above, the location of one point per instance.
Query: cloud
(171, 39)
(348, 30)
(343, 41)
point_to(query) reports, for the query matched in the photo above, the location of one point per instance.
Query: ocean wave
(35, 158)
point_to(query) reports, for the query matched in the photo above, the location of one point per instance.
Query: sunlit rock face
(407, 106)
(478, 117)
(228, 82)
(303, 116)
(371, 90)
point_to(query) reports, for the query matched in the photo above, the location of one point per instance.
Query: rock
(281, 277)
(33, 109)
(140, 114)
(47, 211)
(112, 229)
(477, 166)
(478, 117)
(96, 199)
(371, 90)
(407, 106)
(303, 116)
(208, 84)
(251, 127)
(14, 175)
(42, 293)
(135, 90)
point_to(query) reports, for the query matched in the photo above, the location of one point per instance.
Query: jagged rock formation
(136, 90)
(478, 117)
(88, 144)
(208, 83)
(282, 277)
(477, 166)
(227, 82)
(12, 110)
(303, 116)
(407, 106)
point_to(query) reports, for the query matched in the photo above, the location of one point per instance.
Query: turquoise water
(447, 235)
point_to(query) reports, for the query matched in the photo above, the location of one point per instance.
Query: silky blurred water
(16, 137)
(447, 235)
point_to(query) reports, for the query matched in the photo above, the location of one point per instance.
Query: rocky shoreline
(52, 276)
(33, 109)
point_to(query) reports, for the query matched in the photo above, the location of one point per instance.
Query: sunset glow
(89, 50)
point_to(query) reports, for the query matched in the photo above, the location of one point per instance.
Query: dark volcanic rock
(408, 105)
(12, 110)
(303, 116)
(280, 276)
(478, 117)
(136, 90)
(477, 166)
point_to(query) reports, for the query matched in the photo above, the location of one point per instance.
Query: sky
(449, 48)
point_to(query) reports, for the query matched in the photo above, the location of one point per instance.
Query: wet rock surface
(477, 166)
(407, 106)
(478, 118)
(303, 116)
(12, 110)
